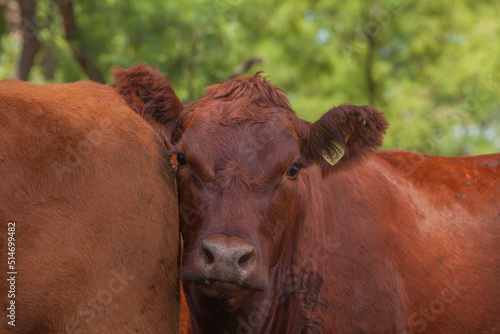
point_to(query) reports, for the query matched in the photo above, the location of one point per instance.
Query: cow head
(241, 152)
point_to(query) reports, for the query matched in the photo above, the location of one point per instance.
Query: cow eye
(293, 170)
(181, 159)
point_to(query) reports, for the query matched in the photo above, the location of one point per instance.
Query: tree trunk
(81, 52)
(370, 81)
(370, 33)
(31, 44)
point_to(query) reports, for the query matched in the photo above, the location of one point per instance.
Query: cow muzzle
(224, 266)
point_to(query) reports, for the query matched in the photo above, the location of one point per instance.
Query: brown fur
(264, 94)
(396, 242)
(364, 125)
(86, 182)
(152, 96)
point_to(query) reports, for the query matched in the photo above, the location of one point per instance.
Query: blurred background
(432, 66)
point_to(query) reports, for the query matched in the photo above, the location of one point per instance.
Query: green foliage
(431, 66)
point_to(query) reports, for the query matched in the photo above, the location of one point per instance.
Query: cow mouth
(219, 287)
(221, 290)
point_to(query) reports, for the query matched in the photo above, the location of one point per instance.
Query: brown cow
(88, 213)
(293, 227)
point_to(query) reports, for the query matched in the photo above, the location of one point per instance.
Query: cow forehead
(236, 111)
(238, 126)
(245, 141)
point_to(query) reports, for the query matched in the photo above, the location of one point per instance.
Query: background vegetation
(432, 66)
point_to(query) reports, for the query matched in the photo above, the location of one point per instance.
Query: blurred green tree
(429, 65)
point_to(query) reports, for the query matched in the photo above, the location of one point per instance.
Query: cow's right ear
(152, 96)
(343, 135)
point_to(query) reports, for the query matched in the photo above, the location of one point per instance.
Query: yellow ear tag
(334, 151)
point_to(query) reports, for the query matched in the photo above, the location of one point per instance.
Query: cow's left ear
(152, 96)
(344, 135)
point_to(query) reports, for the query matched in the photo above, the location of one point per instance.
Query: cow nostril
(245, 259)
(226, 255)
(207, 256)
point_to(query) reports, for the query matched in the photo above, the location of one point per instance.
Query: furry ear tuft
(152, 97)
(344, 135)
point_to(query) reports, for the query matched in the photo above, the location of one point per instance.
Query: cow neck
(292, 302)
(278, 303)
(295, 294)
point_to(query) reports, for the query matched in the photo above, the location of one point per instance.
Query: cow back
(87, 185)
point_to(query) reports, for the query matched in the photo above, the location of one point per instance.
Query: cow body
(293, 227)
(403, 243)
(88, 186)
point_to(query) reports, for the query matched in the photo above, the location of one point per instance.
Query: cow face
(238, 182)
(241, 151)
